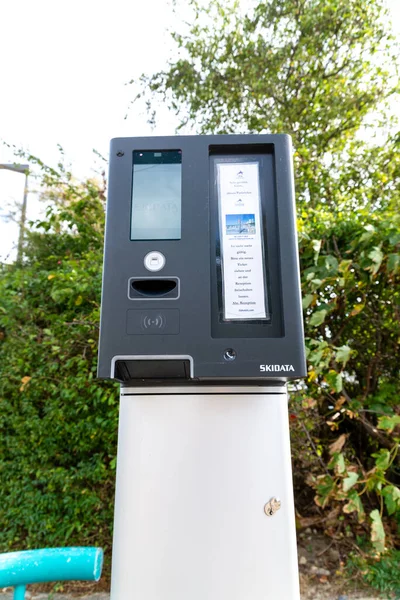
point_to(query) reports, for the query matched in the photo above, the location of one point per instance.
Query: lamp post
(24, 169)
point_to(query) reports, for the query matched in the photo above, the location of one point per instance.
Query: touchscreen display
(156, 195)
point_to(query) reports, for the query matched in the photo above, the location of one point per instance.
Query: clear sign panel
(242, 247)
(156, 195)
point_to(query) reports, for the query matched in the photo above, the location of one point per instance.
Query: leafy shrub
(347, 411)
(58, 425)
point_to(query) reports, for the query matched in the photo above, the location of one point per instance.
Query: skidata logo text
(277, 368)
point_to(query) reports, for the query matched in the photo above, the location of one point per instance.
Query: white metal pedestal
(195, 470)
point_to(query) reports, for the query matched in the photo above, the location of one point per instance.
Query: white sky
(63, 69)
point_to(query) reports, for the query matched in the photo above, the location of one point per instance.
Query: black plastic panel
(197, 330)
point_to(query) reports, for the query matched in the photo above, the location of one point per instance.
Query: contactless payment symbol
(153, 322)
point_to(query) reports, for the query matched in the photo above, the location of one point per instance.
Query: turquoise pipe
(50, 564)
(19, 592)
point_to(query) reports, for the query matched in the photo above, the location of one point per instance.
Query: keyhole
(272, 507)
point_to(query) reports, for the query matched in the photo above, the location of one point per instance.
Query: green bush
(58, 425)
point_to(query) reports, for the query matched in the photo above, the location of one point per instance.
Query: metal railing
(18, 569)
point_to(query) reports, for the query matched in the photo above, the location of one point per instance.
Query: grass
(380, 573)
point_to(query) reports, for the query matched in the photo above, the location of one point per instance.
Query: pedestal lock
(272, 507)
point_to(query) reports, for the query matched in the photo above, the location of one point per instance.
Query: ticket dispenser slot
(153, 288)
(152, 370)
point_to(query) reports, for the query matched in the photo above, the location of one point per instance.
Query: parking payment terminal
(201, 324)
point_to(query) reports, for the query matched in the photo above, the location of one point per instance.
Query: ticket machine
(201, 323)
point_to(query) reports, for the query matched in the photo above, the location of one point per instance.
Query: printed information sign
(241, 241)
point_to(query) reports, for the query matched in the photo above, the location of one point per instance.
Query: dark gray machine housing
(169, 325)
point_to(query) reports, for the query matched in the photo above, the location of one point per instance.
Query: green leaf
(391, 493)
(343, 354)
(394, 239)
(331, 264)
(317, 318)
(357, 309)
(335, 380)
(337, 463)
(340, 465)
(354, 505)
(350, 481)
(382, 459)
(376, 255)
(345, 265)
(324, 488)
(338, 383)
(316, 282)
(307, 300)
(388, 423)
(393, 263)
(377, 531)
(316, 244)
(369, 232)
